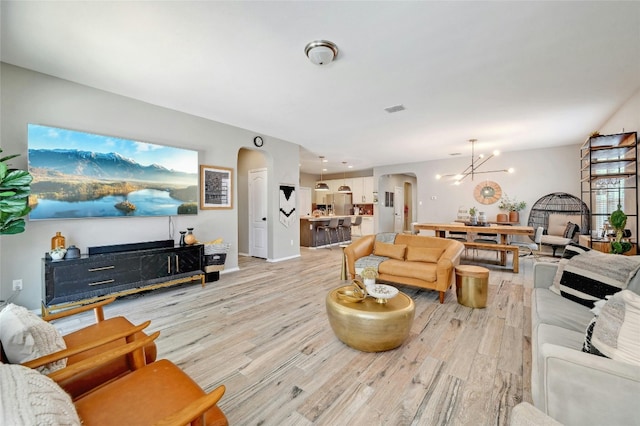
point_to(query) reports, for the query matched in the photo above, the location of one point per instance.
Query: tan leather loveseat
(415, 260)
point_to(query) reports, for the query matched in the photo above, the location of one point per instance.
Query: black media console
(119, 270)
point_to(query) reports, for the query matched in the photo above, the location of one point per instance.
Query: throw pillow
(570, 229)
(617, 328)
(573, 249)
(570, 250)
(30, 398)
(393, 251)
(424, 254)
(586, 345)
(592, 275)
(25, 337)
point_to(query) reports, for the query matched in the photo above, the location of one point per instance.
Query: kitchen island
(310, 236)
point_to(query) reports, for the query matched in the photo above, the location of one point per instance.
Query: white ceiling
(514, 75)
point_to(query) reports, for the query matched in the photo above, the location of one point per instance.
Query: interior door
(258, 223)
(398, 209)
(304, 202)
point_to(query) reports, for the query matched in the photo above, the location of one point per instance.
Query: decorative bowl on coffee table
(382, 292)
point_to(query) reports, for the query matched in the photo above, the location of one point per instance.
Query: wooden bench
(503, 248)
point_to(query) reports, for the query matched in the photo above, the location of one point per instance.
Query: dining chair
(533, 247)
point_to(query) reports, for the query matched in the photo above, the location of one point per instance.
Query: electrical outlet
(291, 242)
(17, 285)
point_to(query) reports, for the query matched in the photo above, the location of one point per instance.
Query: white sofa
(573, 387)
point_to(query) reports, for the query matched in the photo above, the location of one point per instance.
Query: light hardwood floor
(263, 332)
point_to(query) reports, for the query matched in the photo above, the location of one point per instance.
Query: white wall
(30, 97)
(385, 216)
(626, 119)
(537, 173)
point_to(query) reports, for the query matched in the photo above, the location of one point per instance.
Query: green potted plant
(512, 206)
(14, 197)
(473, 215)
(618, 221)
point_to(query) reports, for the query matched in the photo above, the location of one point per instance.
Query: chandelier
(476, 162)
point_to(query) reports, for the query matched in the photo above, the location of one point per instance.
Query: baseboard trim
(282, 259)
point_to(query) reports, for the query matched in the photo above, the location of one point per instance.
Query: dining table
(503, 231)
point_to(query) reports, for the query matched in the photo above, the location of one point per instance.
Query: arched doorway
(251, 206)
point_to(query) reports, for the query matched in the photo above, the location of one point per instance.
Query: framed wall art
(216, 188)
(287, 204)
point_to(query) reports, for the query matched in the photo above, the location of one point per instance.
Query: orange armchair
(90, 341)
(159, 393)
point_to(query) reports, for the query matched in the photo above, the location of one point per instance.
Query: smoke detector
(321, 52)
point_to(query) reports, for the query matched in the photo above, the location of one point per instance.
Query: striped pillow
(570, 250)
(592, 275)
(616, 330)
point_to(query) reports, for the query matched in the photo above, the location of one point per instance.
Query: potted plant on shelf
(512, 206)
(618, 221)
(369, 275)
(14, 197)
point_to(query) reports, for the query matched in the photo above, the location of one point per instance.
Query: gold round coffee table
(370, 326)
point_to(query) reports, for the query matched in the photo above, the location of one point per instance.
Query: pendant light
(472, 169)
(321, 186)
(344, 188)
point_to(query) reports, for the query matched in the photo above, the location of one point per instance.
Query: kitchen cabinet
(367, 225)
(334, 185)
(361, 188)
(367, 189)
(609, 176)
(357, 191)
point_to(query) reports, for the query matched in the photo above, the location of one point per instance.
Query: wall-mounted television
(79, 175)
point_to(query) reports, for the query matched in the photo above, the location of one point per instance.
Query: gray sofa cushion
(549, 308)
(554, 335)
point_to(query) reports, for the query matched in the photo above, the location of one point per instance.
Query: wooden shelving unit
(609, 176)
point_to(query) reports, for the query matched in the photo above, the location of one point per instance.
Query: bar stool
(357, 222)
(345, 225)
(333, 224)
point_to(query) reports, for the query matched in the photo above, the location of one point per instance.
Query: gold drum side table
(472, 285)
(370, 326)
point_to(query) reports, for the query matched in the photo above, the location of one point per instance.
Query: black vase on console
(182, 243)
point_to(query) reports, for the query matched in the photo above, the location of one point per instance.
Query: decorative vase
(473, 219)
(73, 252)
(502, 217)
(57, 241)
(514, 216)
(182, 243)
(190, 238)
(482, 218)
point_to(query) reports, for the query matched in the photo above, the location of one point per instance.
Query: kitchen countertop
(321, 218)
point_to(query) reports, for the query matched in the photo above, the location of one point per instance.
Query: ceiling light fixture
(321, 52)
(472, 169)
(321, 186)
(344, 188)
